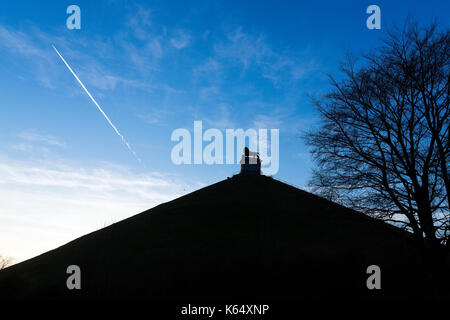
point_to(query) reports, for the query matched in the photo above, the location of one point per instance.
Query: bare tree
(383, 143)
(5, 262)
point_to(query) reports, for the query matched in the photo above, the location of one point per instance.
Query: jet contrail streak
(99, 108)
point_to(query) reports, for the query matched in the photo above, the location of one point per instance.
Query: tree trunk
(426, 216)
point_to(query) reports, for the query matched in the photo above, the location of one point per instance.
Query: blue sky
(156, 66)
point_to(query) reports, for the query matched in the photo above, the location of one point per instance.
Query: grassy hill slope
(245, 237)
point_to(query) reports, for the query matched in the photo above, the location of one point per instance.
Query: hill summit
(241, 238)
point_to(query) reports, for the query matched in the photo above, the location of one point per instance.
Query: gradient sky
(156, 66)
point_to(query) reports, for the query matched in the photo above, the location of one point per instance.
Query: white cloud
(47, 69)
(141, 17)
(147, 46)
(274, 64)
(34, 142)
(263, 121)
(206, 68)
(209, 93)
(19, 42)
(221, 118)
(180, 40)
(25, 147)
(34, 136)
(156, 116)
(154, 47)
(245, 48)
(47, 205)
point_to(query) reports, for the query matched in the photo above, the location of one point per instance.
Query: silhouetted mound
(245, 237)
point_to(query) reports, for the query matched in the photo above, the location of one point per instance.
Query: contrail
(99, 108)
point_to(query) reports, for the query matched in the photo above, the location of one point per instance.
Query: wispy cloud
(19, 42)
(209, 93)
(46, 205)
(263, 121)
(25, 147)
(141, 40)
(35, 45)
(34, 142)
(22, 44)
(208, 67)
(180, 40)
(140, 18)
(254, 50)
(35, 136)
(244, 48)
(222, 117)
(156, 116)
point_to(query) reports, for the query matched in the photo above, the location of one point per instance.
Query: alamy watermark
(74, 280)
(74, 20)
(374, 20)
(225, 147)
(374, 280)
